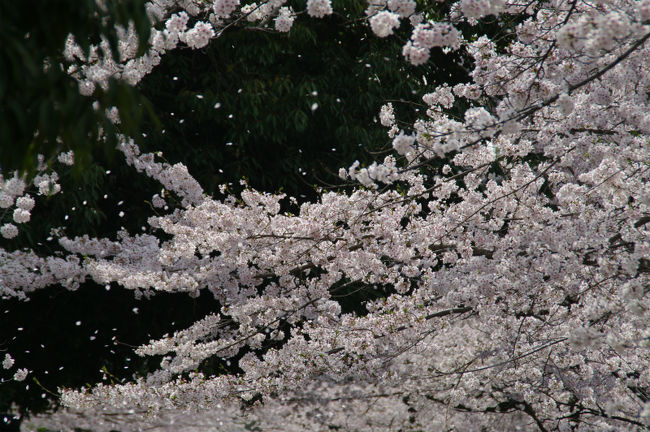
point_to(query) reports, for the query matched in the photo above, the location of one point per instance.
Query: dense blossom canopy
(510, 242)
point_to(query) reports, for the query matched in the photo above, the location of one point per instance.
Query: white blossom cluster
(9, 362)
(16, 202)
(223, 8)
(285, 19)
(175, 178)
(385, 172)
(199, 35)
(508, 248)
(427, 36)
(387, 115)
(383, 23)
(319, 8)
(66, 158)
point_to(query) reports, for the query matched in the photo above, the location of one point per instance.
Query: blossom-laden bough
(512, 242)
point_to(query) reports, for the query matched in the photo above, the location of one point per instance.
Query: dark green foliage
(267, 126)
(41, 110)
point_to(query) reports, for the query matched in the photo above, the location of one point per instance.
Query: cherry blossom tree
(509, 244)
